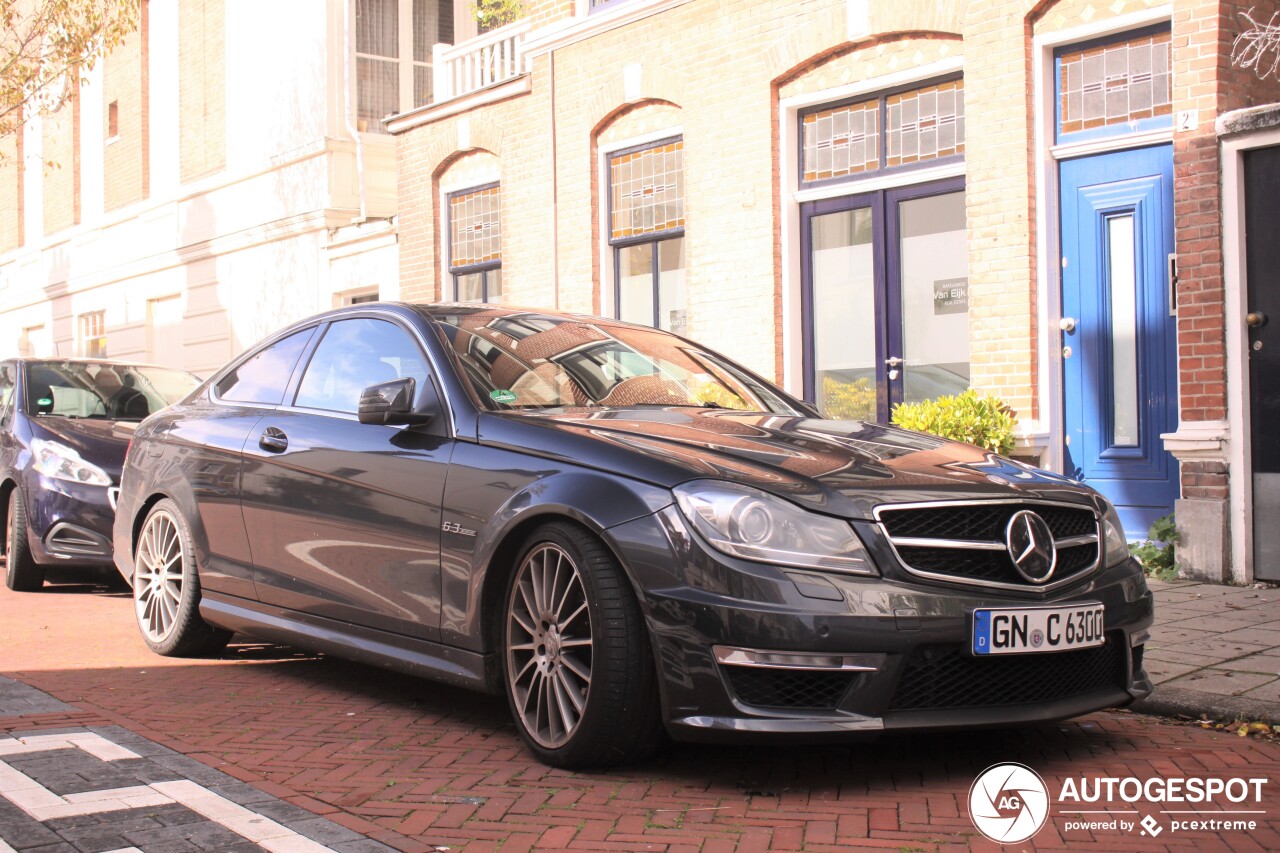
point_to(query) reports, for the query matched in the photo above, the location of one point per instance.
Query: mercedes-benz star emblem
(1030, 544)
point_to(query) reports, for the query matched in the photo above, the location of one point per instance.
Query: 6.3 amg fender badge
(1030, 544)
(454, 527)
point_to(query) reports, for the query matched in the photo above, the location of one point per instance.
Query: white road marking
(42, 804)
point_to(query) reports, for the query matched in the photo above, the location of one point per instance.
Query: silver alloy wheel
(157, 576)
(549, 645)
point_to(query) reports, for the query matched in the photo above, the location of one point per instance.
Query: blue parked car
(65, 425)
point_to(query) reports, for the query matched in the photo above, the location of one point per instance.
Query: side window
(262, 378)
(353, 355)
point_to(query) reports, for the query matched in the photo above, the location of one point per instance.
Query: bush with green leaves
(1157, 553)
(971, 417)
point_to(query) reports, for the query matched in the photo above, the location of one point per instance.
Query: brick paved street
(418, 766)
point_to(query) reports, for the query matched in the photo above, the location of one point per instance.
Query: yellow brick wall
(542, 12)
(202, 87)
(1001, 205)
(60, 150)
(125, 157)
(717, 71)
(1065, 14)
(11, 207)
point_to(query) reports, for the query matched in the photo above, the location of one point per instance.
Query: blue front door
(1119, 355)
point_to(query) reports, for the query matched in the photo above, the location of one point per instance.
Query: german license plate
(1028, 630)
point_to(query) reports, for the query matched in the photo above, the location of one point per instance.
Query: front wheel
(22, 572)
(166, 588)
(579, 674)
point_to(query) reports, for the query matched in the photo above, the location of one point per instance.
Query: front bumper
(911, 640)
(70, 523)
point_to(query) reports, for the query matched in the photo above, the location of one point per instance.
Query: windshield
(117, 392)
(538, 361)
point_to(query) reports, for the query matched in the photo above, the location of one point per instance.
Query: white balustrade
(482, 61)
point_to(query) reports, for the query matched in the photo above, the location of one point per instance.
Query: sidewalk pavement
(1214, 650)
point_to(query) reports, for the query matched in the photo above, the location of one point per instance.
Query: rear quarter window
(263, 376)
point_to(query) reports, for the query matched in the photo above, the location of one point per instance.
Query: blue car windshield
(90, 389)
(517, 360)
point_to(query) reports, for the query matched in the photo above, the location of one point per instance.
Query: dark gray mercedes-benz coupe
(622, 531)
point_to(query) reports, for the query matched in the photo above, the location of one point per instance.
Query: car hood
(844, 468)
(99, 442)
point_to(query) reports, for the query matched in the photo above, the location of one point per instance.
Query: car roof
(110, 362)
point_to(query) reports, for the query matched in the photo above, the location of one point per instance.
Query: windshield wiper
(709, 404)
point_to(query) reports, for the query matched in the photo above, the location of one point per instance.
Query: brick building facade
(208, 183)
(873, 202)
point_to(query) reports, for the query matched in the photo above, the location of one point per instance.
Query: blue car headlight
(744, 522)
(64, 463)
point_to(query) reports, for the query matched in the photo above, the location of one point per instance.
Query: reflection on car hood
(99, 442)
(844, 468)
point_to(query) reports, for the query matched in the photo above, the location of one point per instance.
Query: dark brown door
(1262, 267)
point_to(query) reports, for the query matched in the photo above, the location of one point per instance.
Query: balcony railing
(482, 61)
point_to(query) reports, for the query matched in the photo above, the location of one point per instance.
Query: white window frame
(356, 296)
(404, 61)
(82, 338)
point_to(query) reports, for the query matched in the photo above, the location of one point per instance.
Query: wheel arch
(140, 517)
(559, 499)
(7, 486)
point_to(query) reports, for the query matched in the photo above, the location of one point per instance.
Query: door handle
(273, 440)
(1067, 324)
(1255, 319)
(893, 361)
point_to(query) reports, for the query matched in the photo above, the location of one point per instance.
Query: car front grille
(948, 677)
(764, 687)
(966, 542)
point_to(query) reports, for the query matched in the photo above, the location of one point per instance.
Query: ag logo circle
(1008, 803)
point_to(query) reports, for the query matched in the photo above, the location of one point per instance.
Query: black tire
(22, 572)
(612, 716)
(166, 588)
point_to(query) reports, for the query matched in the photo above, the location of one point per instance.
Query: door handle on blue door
(274, 440)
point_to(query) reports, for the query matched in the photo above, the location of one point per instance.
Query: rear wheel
(579, 673)
(22, 572)
(166, 588)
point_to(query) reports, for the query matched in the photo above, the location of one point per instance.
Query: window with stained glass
(842, 140)
(646, 230)
(1116, 87)
(475, 244)
(924, 124)
(647, 190)
(895, 129)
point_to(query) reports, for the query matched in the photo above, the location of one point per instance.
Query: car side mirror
(391, 403)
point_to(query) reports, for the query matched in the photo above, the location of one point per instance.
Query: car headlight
(1115, 548)
(744, 522)
(63, 463)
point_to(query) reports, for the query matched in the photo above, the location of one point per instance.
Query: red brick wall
(1206, 82)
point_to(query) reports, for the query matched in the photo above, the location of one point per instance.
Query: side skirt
(418, 658)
